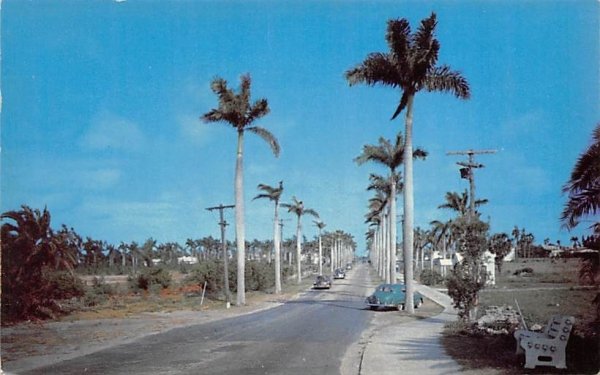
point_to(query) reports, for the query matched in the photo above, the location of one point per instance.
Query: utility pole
(223, 224)
(467, 171)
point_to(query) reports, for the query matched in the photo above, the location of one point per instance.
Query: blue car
(392, 296)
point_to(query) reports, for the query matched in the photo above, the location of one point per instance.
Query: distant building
(187, 260)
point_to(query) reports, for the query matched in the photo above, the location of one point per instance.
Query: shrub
(209, 271)
(98, 293)
(525, 271)
(63, 284)
(150, 277)
(258, 276)
(431, 277)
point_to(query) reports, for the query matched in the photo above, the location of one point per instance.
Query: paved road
(308, 335)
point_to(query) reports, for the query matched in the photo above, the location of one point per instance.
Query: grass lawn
(551, 289)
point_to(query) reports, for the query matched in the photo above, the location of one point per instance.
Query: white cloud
(108, 131)
(100, 179)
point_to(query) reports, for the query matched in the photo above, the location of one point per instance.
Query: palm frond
(419, 153)
(425, 47)
(259, 109)
(311, 212)
(583, 203)
(319, 224)
(379, 184)
(584, 184)
(403, 102)
(443, 79)
(398, 39)
(244, 96)
(268, 137)
(377, 68)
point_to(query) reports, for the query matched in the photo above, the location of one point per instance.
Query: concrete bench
(547, 348)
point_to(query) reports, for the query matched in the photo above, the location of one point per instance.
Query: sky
(101, 103)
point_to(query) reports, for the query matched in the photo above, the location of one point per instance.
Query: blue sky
(101, 106)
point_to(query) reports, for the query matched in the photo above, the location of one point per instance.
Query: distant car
(339, 274)
(392, 296)
(349, 266)
(322, 282)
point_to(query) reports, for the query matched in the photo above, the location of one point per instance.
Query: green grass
(546, 272)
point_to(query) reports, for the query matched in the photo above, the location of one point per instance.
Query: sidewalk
(413, 348)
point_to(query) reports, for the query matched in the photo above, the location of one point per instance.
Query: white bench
(547, 348)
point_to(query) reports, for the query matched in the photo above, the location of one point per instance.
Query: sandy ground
(30, 345)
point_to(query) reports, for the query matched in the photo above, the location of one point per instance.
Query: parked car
(391, 296)
(322, 282)
(339, 274)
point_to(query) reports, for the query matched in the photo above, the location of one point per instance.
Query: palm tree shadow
(343, 304)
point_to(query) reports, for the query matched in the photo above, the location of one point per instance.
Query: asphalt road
(308, 335)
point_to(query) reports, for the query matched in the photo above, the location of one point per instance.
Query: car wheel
(418, 304)
(400, 307)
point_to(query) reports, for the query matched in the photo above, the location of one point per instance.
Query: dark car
(392, 296)
(322, 282)
(339, 274)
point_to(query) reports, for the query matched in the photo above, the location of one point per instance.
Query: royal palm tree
(320, 225)
(442, 234)
(459, 203)
(389, 155)
(274, 195)
(584, 185)
(236, 110)
(411, 66)
(297, 207)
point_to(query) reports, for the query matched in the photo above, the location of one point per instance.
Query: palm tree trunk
(409, 204)
(393, 234)
(240, 234)
(380, 249)
(386, 249)
(320, 255)
(298, 250)
(331, 250)
(276, 244)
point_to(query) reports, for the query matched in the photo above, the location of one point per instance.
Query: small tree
(468, 276)
(500, 245)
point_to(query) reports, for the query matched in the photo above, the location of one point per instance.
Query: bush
(523, 271)
(209, 271)
(258, 276)
(151, 278)
(98, 293)
(431, 277)
(63, 284)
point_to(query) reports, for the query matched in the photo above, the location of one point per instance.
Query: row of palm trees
(410, 65)
(237, 110)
